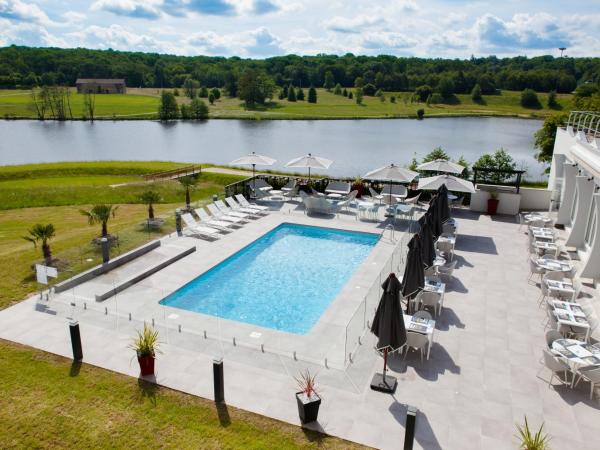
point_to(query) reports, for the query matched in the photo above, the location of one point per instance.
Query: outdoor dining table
(554, 265)
(570, 318)
(535, 217)
(561, 288)
(437, 287)
(546, 246)
(450, 239)
(542, 233)
(576, 353)
(422, 326)
(334, 195)
(439, 261)
(452, 197)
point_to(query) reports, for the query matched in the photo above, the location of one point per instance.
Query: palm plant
(150, 197)
(530, 441)
(188, 183)
(42, 233)
(146, 342)
(100, 214)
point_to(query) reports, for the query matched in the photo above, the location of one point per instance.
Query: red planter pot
(146, 364)
(492, 206)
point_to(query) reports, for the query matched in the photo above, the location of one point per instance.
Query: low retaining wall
(144, 274)
(104, 268)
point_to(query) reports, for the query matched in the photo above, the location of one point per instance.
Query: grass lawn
(45, 402)
(143, 103)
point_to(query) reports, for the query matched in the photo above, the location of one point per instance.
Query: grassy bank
(143, 104)
(46, 403)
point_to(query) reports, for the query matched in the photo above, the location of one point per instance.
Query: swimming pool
(284, 280)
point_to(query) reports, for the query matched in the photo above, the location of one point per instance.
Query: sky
(264, 28)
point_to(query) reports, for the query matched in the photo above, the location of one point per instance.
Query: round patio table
(334, 195)
(452, 197)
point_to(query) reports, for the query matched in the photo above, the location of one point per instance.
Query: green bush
(420, 113)
(529, 99)
(369, 89)
(423, 92)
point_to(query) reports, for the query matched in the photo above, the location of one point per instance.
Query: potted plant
(145, 345)
(307, 398)
(492, 203)
(358, 185)
(529, 441)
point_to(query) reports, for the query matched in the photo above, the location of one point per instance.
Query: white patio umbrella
(310, 162)
(391, 173)
(253, 159)
(441, 165)
(451, 182)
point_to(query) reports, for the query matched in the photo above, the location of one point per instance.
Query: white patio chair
(196, 229)
(556, 366)
(375, 195)
(416, 341)
(457, 203)
(445, 272)
(447, 248)
(413, 200)
(535, 269)
(551, 336)
(577, 286)
(338, 187)
(545, 290)
(204, 218)
(348, 201)
(220, 215)
(235, 206)
(246, 204)
(431, 300)
(230, 212)
(590, 374)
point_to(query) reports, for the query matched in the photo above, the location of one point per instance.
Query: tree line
(26, 67)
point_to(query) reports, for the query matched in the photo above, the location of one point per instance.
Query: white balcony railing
(585, 125)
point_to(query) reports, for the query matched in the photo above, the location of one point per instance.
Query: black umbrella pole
(385, 353)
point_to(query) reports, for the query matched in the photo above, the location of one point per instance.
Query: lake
(356, 146)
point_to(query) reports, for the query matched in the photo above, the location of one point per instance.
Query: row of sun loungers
(224, 217)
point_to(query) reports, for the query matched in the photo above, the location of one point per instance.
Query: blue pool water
(284, 280)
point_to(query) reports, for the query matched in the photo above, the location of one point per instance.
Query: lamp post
(562, 49)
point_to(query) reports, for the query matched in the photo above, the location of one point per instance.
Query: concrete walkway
(483, 376)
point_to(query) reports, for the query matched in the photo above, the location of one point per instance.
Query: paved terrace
(483, 376)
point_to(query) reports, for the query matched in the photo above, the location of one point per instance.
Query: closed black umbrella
(414, 275)
(388, 326)
(427, 244)
(434, 210)
(444, 209)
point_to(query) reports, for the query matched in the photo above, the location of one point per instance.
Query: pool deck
(483, 376)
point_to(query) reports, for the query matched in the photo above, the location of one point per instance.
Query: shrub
(359, 96)
(552, 102)
(185, 112)
(168, 109)
(350, 95)
(529, 99)
(176, 92)
(329, 81)
(338, 89)
(446, 87)
(300, 94)
(476, 94)
(211, 98)
(291, 94)
(203, 92)
(393, 99)
(436, 98)
(345, 92)
(217, 93)
(420, 113)
(198, 109)
(312, 95)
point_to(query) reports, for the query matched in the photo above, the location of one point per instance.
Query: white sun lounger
(198, 229)
(245, 209)
(246, 204)
(218, 214)
(230, 212)
(205, 219)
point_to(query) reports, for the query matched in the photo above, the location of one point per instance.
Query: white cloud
(353, 25)
(140, 9)
(23, 33)
(116, 37)
(385, 42)
(19, 11)
(265, 43)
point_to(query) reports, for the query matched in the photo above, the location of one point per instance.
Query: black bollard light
(411, 420)
(219, 381)
(75, 341)
(105, 250)
(178, 222)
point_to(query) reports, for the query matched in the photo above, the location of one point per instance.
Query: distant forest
(25, 67)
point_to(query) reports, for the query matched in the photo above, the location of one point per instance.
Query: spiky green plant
(188, 182)
(150, 197)
(100, 214)
(43, 234)
(530, 441)
(307, 383)
(146, 342)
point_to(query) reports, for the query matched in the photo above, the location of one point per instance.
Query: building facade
(101, 86)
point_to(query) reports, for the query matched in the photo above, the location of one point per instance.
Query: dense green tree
(446, 87)
(359, 96)
(291, 94)
(203, 92)
(436, 153)
(552, 103)
(369, 89)
(499, 160)
(211, 98)
(185, 112)
(487, 84)
(216, 93)
(198, 109)
(329, 80)
(545, 137)
(350, 95)
(359, 82)
(312, 95)
(345, 92)
(466, 173)
(338, 89)
(529, 99)
(423, 92)
(168, 109)
(255, 87)
(476, 94)
(300, 94)
(190, 87)
(230, 80)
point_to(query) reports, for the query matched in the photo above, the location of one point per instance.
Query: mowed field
(45, 401)
(143, 104)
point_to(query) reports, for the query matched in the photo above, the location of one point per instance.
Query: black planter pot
(308, 409)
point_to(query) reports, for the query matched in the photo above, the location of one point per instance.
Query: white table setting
(422, 326)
